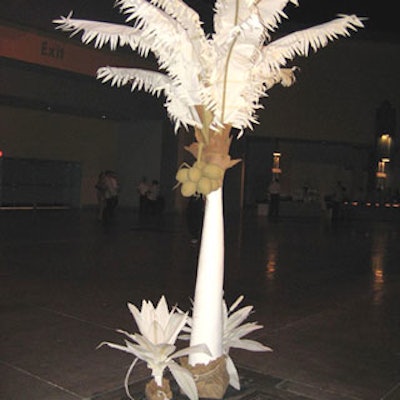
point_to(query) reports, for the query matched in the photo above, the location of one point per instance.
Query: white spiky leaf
(155, 83)
(299, 43)
(190, 21)
(233, 373)
(127, 375)
(184, 379)
(236, 318)
(101, 33)
(272, 13)
(159, 328)
(250, 345)
(237, 333)
(227, 74)
(233, 92)
(185, 15)
(177, 44)
(229, 13)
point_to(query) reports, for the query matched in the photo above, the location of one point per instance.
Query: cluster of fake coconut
(200, 179)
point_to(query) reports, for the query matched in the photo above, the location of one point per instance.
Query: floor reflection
(378, 254)
(272, 260)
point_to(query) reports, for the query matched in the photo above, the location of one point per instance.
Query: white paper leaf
(175, 49)
(227, 73)
(236, 303)
(233, 373)
(271, 12)
(175, 325)
(238, 317)
(186, 16)
(128, 348)
(101, 32)
(299, 43)
(184, 379)
(251, 345)
(234, 92)
(155, 83)
(126, 380)
(198, 348)
(228, 14)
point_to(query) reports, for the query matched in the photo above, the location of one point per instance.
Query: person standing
(100, 195)
(337, 201)
(111, 195)
(153, 197)
(274, 191)
(143, 189)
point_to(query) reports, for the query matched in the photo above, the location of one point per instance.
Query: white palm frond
(152, 82)
(101, 33)
(190, 21)
(184, 379)
(174, 50)
(138, 39)
(156, 83)
(230, 13)
(299, 43)
(234, 95)
(233, 332)
(233, 373)
(227, 74)
(184, 14)
(271, 12)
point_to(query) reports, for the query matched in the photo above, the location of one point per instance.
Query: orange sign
(37, 48)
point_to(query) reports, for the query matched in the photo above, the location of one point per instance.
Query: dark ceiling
(39, 13)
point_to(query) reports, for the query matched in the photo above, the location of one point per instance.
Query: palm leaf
(236, 318)
(127, 375)
(276, 53)
(101, 33)
(177, 99)
(271, 12)
(184, 379)
(230, 13)
(150, 81)
(175, 49)
(162, 311)
(235, 304)
(175, 326)
(198, 348)
(137, 351)
(251, 345)
(190, 21)
(185, 15)
(233, 373)
(235, 95)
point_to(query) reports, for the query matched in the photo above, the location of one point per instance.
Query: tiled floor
(328, 297)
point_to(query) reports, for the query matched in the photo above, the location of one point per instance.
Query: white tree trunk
(207, 309)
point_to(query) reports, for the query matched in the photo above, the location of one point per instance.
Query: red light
(1, 153)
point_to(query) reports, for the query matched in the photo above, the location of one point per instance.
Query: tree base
(212, 380)
(155, 392)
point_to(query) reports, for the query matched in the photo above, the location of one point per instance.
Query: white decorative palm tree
(212, 83)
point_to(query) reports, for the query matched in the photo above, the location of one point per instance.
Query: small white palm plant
(233, 333)
(159, 329)
(212, 83)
